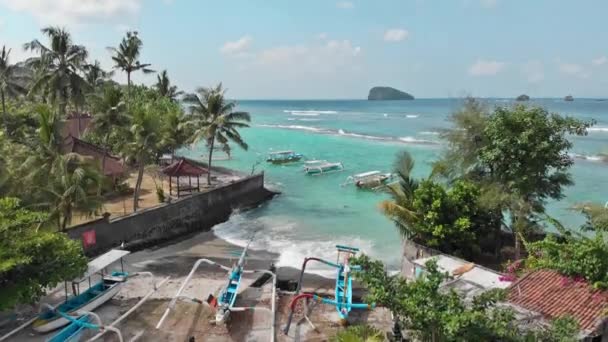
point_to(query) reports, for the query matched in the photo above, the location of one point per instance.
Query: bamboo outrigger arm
(178, 294)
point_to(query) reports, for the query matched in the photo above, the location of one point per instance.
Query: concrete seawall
(196, 213)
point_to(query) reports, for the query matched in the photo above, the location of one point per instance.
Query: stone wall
(195, 213)
(411, 252)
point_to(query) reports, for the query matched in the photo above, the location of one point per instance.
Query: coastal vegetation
(428, 313)
(43, 185)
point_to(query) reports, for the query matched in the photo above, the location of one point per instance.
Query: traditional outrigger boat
(369, 180)
(343, 300)
(317, 167)
(223, 304)
(90, 299)
(283, 157)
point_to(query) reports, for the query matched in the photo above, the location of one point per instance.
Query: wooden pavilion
(183, 168)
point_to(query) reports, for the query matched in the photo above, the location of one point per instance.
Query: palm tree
(109, 114)
(72, 187)
(143, 144)
(12, 82)
(164, 87)
(95, 75)
(126, 57)
(61, 64)
(214, 120)
(400, 208)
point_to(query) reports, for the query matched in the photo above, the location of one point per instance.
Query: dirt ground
(123, 205)
(190, 319)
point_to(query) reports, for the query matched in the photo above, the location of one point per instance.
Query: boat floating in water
(317, 167)
(283, 157)
(369, 180)
(90, 299)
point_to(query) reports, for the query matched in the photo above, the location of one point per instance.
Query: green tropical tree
(401, 208)
(164, 87)
(143, 143)
(32, 259)
(214, 120)
(73, 186)
(95, 75)
(60, 65)
(12, 81)
(126, 57)
(110, 115)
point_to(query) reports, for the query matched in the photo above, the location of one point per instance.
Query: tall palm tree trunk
(128, 88)
(140, 175)
(209, 162)
(3, 109)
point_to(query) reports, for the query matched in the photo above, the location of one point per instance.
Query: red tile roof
(183, 167)
(553, 295)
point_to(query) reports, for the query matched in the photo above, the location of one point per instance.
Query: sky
(326, 49)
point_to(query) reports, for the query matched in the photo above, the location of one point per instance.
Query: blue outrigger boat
(343, 300)
(89, 300)
(284, 157)
(75, 330)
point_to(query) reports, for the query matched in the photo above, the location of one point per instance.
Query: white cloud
(489, 3)
(322, 36)
(395, 35)
(345, 5)
(600, 61)
(327, 57)
(62, 12)
(534, 71)
(486, 68)
(237, 48)
(573, 69)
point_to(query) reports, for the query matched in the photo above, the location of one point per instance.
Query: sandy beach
(175, 260)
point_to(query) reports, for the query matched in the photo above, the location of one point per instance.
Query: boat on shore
(89, 300)
(284, 157)
(317, 167)
(369, 180)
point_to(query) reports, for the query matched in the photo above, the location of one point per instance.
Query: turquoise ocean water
(314, 213)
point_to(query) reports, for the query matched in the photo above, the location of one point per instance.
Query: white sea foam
(597, 129)
(280, 235)
(341, 132)
(303, 119)
(412, 140)
(429, 133)
(412, 116)
(309, 112)
(592, 158)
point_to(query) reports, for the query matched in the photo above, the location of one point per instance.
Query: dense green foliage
(358, 333)
(430, 313)
(32, 259)
(518, 155)
(451, 219)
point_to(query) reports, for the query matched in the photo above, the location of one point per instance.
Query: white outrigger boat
(90, 299)
(317, 167)
(369, 180)
(283, 157)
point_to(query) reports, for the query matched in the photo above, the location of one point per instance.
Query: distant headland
(388, 93)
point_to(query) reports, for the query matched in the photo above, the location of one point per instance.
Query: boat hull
(45, 326)
(317, 171)
(284, 161)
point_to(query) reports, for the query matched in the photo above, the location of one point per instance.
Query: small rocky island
(568, 98)
(522, 97)
(388, 93)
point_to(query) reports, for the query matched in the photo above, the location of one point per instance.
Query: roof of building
(76, 125)
(471, 273)
(112, 165)
(553, 295)
(184, 167)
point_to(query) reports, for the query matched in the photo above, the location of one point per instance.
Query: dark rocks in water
(388, 93)
(522, 97)
(569, 98)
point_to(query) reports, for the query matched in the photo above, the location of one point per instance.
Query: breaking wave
(341, 132)
(309, 112)
(303, 119)
(601, 158)
(597, 129)
(412, 116)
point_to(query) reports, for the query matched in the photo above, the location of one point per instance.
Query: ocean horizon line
(418, 98)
